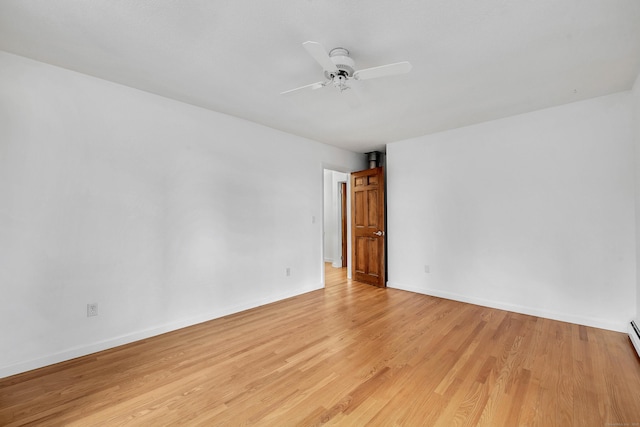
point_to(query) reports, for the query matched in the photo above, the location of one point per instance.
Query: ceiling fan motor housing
(342, 60)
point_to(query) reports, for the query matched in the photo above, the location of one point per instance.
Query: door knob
(379, 233)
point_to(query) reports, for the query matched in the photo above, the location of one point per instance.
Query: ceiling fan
(338, 68)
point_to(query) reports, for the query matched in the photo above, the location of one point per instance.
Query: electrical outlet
(92, 310)
(427, 269)
(288, 272)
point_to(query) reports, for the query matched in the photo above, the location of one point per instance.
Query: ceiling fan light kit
(339, 68)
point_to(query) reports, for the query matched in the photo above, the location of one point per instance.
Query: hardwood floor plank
(349, 354)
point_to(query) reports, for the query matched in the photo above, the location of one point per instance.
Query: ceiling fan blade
(312, 86)
(317, 51)
(382, 71)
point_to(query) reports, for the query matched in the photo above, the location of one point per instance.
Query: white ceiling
(473, 60)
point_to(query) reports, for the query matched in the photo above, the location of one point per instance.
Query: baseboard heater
(634, 334)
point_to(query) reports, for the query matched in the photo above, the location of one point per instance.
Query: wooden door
(367, 224)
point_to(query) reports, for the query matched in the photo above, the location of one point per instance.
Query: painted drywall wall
(162, 213)
(532, 213)
(636, 129)
(328, 219)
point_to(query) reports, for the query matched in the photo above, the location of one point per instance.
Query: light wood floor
(350, 354)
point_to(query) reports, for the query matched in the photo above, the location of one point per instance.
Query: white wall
(636, 128)
(162, 213)
(328, 219)
(532, 213)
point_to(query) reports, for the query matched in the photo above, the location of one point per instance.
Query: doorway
(336, 244)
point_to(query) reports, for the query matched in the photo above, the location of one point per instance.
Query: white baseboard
(532, 311)
(95, 347)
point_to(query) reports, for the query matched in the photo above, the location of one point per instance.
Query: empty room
(320, 212)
